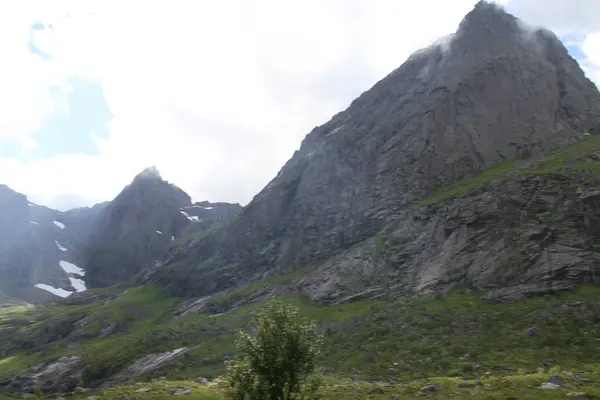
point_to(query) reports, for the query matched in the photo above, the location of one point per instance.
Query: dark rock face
(34, 240)
(141, 224)
(494, 90)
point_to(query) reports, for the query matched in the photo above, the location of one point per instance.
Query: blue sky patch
(69, 131)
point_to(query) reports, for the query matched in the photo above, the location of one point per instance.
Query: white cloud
(217, 95)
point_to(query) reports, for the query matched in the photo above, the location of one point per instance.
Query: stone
(377, 390)
(465, 385)
(144, 390)
(532, 332)
(180, 392)
(392, 371)
(577, 395)
(557, 380)
(549, 386)
(430, 388)
(202, 380)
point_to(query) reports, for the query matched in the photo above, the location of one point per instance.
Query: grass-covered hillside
(399, 346)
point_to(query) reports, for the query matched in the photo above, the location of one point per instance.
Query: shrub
(276, 361)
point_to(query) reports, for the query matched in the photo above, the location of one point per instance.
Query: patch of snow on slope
(78, 284)
(71, 268)
(172, 238)
(159, 232)
(59, 224)
(31, 205)
(59, 246)
(191, 218)
(55, 291)
(204, 208)
(33, 222)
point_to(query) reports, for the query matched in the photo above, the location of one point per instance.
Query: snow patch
(78, 284)
(55, 291)
(31, 205)
(33, 222)
(71, 268)
(191, 218)
(172, 238)
(159, 232)
(59, 246)
(204, 208)
(59, 224)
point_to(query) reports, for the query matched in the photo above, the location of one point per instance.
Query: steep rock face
(140, 225)
(135, 228)
(494, 90)
(37, 244)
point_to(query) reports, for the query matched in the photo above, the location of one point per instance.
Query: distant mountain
(495, 90)
(40, 248)
(141, 225)
(45, 253)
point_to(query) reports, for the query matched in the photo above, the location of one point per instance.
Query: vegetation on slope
(569, 158)
(406, 343)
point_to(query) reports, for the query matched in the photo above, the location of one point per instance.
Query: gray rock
(148, 363)
(549, 386)
(59, 375)
(557, 380)
(431, 388)
(532, 332)
(577, 395)
(377, 390)
(181, 392)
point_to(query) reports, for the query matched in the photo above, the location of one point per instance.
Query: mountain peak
(488, 17)
(149, 173)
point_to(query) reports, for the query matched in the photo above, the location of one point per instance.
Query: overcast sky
(216, 94)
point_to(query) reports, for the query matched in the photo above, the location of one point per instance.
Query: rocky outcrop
(520, 236)
(493, 91)
(58, 376)
(148, 364)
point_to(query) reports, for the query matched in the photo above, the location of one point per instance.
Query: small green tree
(277, 360)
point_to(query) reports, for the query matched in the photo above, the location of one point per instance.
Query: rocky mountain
(141, 225)
(494, 91)
(45, 253)
(40, 248)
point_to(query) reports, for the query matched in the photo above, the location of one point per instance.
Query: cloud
(217, 95)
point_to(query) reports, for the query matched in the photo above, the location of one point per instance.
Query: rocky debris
(577, 395)
(180, 392)
(549, 386)
(377, 390)
(202, 381)
(60, 375)
(464, 385)
(144, 390)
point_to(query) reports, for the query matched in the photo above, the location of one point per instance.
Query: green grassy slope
(406, 344)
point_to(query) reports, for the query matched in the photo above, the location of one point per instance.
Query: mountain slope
(140, 225)
(40, 246)
(491, 92)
